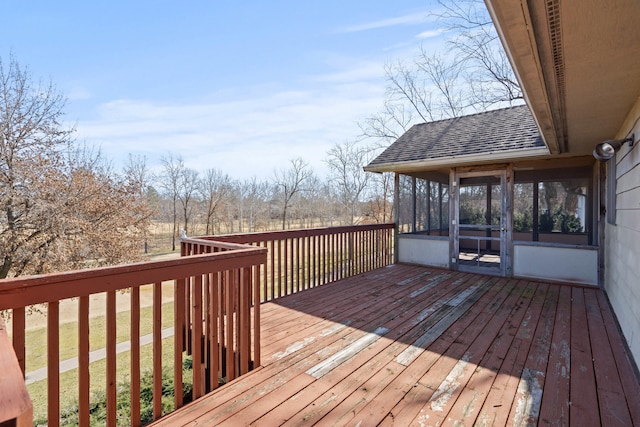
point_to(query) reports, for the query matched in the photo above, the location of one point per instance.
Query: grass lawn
(36, 339)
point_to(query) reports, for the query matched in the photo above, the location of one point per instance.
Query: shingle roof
(505, 129)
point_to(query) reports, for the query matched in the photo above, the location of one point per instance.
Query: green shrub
(98, 401)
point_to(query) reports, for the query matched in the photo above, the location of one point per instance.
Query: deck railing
(306, 258)
(222, 342)
(218, 285)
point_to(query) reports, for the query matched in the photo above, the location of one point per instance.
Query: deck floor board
(406, 345)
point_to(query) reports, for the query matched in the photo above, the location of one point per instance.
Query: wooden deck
(406, 345)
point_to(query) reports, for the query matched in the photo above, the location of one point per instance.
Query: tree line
(212, 202)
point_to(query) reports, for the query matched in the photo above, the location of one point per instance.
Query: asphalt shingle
(493, 131)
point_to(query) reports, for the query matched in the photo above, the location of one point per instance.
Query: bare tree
(172, 168)
(60, 207)
(479, 53)
(473, 75)
(346, 162)
(215, 187)
(380, 199)
(187, 192)
(290, 182)
(251, 202)
(136, 178)
(255, 193)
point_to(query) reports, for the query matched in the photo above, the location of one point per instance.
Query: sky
(243, 87)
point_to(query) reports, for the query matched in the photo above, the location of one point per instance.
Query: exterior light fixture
(607, 149)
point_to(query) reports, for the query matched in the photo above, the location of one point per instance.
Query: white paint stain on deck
(449, 386)
(299, 345)
(528, 398)
(432, 334)
(326, 366)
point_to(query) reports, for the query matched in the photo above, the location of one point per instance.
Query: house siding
(622, 242)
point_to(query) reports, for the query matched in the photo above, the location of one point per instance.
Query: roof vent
(555, 36)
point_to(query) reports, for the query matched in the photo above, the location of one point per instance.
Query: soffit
(578, 62)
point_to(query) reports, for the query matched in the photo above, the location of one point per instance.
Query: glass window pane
(434, 208)
(422, 194)
(444, 224)
(473, 204)
(405, 205)
(523, 210)
(562, 206)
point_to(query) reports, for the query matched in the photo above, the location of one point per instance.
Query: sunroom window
(423, 206)
(553, 207)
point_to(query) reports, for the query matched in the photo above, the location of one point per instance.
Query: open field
(159, 239)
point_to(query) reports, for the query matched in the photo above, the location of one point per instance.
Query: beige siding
(622, 250)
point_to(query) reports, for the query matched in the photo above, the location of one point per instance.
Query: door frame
(505, 173)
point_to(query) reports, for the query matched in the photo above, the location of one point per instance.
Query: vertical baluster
(157, 350)
(135, 356)
(324, 258)
(206, 331)
(368, 252)
(83, 361)
(229, 297)
(320, 260)
(317, 260)
(178, 340)
(300, 263)
(312, 261)
(285, 266)
(264, 294)
(307, 262)
(236, 313)
(338, 238)
(295, 273)
(214, 353)
(374, 251)
(185, 250)
(111, 358)
(272, 252)
(53, 363)
(334, 256)
(197, 336)
(224, 281)
(361, 251)
(244, 302)
(256, 318)
(343, 255)
(279, 265)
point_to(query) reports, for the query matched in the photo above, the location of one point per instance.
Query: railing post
(18, 331)
(15, 405)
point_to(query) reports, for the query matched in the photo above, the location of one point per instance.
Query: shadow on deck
(407, 345)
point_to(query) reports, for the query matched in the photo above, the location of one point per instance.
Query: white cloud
(410, 19)
(243, 137)
(78, 93)
(431, 33)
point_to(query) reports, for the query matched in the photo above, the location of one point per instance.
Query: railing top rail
(290, 234)
(23, 291)
(215, 243)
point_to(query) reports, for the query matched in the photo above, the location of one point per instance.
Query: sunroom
(480, 193)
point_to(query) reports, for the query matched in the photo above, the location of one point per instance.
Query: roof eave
(514, 26)
(450, 161)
